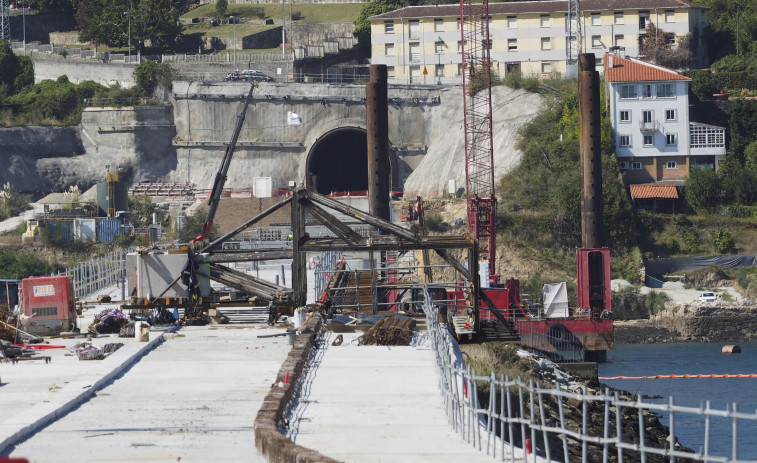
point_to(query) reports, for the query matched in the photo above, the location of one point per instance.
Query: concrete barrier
(271, 443)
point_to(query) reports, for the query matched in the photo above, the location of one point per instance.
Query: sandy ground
(678, 293)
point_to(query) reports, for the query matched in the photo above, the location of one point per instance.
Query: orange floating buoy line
(739, 375)
(732, 349)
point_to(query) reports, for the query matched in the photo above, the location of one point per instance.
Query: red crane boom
(479, 147)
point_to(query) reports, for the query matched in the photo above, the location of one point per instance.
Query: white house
(654, 139)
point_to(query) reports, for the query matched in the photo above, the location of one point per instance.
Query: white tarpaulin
(555, 300)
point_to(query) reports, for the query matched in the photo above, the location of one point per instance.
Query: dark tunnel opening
(339, 162)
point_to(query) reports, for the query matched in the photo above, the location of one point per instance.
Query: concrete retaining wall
(47, 66)
(276, 447)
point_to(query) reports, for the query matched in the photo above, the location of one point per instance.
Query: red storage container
(49, 304)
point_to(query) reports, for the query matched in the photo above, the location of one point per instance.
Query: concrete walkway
(376, 404)
(193, 398)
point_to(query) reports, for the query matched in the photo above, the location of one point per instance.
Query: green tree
(362, 29)
(723, 241)
(111, 21)
(9, 69)
(221, 7)
(151, 75)
(192, 227)
(702, 189)
(55, 6)
(25, 76)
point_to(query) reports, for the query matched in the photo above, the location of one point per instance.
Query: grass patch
(227, 30)
(311, 13)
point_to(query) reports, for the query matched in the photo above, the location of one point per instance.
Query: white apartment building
(422, 44)
(649, 110)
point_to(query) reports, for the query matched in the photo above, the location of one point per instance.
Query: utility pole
(234, 20)
(283, 31)
(128, 14)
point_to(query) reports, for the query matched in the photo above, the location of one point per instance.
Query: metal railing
(96, 274)
(529, 421)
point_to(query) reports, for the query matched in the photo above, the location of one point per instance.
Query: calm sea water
(665, 359)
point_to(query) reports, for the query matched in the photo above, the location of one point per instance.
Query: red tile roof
(544, 6)
(630, 70)
(654, 191)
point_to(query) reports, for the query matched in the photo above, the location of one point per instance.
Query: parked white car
(708, 297)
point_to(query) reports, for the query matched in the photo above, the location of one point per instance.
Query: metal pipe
(591, 158)
(377, 124)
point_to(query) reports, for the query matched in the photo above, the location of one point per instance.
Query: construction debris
(394, 331)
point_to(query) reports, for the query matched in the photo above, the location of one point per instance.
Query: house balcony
(649, 127)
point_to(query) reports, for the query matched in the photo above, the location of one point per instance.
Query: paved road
(193, 398)
(377, 404)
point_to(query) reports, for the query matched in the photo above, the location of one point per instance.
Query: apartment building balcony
(649, 127)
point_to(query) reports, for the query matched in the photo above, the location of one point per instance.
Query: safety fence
(98, 273)
(509, 418)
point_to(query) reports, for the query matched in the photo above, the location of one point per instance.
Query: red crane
(479, 147)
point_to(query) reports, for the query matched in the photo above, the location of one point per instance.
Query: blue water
(666, 359)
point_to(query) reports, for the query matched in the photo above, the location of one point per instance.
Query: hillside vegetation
(539, 201)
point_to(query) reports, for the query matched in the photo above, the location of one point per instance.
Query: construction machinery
(220, 180)
(588, 328)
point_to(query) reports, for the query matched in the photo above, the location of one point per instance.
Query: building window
(643, 19)
(546, 43)
(648, 141)
(438, 48)
(624, 140)
(390, 72)
(627, 92)
(459, 69)
(546, 68)
(670, 16)
(414, 29)
(415, 73)
(646, 116)
(459, 46)
(671, 165)
(670, 114)
(625, 116)
(620, 40)
(439, 70)
(438, 25)
(636, 166)
(618, 17)
(389, 49)
(665, 91)
(458, 23)
(388, 27)
(670, 139)
(484, 44)
(544, 20)
(415, 52)
(596, 19)
(646, 91)
(623, 165)
(596, 41)
(512, 44)
(670, 39)
(512, 22)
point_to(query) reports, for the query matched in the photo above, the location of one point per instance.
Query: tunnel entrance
(338, 161)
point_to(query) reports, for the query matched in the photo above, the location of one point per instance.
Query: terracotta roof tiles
(654, 191)
(631, 70)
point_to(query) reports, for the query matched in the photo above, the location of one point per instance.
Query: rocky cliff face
(690, 323)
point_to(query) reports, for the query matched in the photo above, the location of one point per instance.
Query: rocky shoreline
(691, 323)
